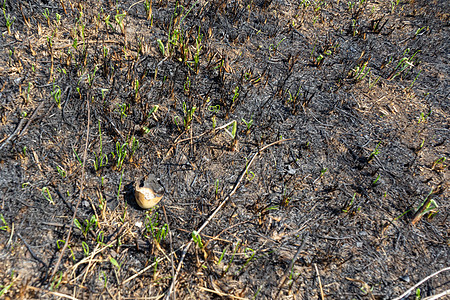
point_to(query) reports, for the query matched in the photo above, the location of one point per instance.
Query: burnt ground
(351, 97)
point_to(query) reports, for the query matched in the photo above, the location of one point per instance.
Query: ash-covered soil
(321, 126)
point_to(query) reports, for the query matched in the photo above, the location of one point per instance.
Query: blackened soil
(95, 95)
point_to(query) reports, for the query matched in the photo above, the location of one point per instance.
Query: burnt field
(302, 147)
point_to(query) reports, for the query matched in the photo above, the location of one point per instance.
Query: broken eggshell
(148, 193)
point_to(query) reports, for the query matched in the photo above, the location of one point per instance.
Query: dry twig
(61, 295)
(221, 294)
(408, 292)
(291, 265)
(20, 129)
(438, 296)
(322, 296)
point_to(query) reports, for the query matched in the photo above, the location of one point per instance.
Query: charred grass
(348, 201)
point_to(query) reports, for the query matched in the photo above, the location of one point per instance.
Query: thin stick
(322, 296)
(31, 250)
(364, 285)
(408, 292)
(148, 267)
(177, 140)
(171, 245)
(11, 236)
(90, 258)
(20, 129)
(204, 133)
(186, 248)
(51, 293)
(221, 294)
(291, 265)
(213, 238)
(81, 192)
(438, 296)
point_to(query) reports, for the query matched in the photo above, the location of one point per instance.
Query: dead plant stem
(322, 296)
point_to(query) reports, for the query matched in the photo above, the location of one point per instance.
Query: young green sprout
(87, 224)
(75, 43)
(214, 122)
(56, 94)
(46, 193)
(134, 145)
(405, 63)
(319, 59)
(58, 19)
(46, 14)
(57, 279)
(349, 205)
(373, 83)
(232, 257)
(361, 71)
(428, 206)
(153, 228)
(148, 8)
(188, 116)
(91, 77)
(249, 253)
(119, 20)
(274, 47)
(117, 267)
(187, 84)
(152, 112)
(250, 174)
(161, 46)
(394, 4)
(423, 117)
(233, 135)
(375, 182)
(101, 159)
(216, 185)
(439, 164)
(103, 91)
(105, 51)
(85, 248)
(236, 94)
(101, 238)
(374, 153)
(412, 83)
(58, 245)
(420, 146)
(136, 89)
(5, 226)
(222, 255)
(198, 48)
(123, 107)
(61, 171)
(107, 23)
(9, 20)
(248, 124)
(121, 152)
(197, 239)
